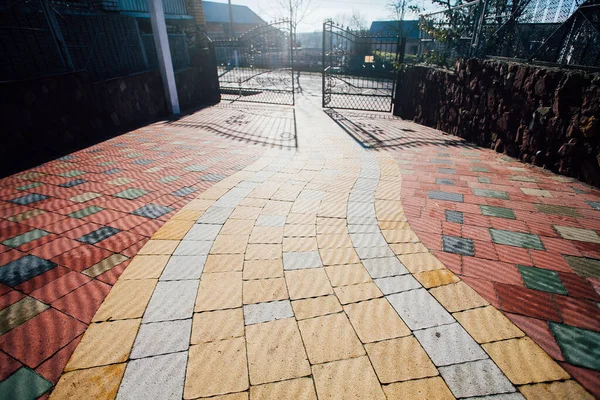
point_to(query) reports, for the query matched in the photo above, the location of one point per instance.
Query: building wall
(545, 116)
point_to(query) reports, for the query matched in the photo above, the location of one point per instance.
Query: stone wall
(546, 116)
(49, 117)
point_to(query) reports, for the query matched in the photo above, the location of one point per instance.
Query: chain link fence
(564, 32)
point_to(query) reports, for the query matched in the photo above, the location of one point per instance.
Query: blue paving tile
(441, 181)
(30, 186)
(24, 384)
(497, 194)
(111, 171)
(437, 195)
(436, 161)
(184, 191)
(143, 161)
(195, 168)
(152, 211)
(456, 245)
(594, 204)
(72, 183)
(28, 199)
(72, 173)
(213, 177)
(99, 234)
(455, 216)
(23, 269)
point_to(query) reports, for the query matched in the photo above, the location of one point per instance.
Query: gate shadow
(386, 131)
(270, 126)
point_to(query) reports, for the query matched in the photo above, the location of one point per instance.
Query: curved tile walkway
(70, 227)
(302, 276)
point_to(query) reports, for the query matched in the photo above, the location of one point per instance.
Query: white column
(161, 41)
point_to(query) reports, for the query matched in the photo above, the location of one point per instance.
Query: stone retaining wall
(546, 116)
(48, 117)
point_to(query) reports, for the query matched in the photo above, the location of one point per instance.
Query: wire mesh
(359, 69)
(257, 66)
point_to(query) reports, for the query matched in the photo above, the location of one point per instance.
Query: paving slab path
(363, 257)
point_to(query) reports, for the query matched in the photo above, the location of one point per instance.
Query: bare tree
(355, 20)
(294, 10)
(399, 9)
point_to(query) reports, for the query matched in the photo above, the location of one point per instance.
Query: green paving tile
(542, 279)
(25, 238)
(84, 212)
(579, 346)
(479, 169)
(517, 239)
(133, 155)
(104, 265)
(588, 267)
(523, 178)
(168, 179)
(23, 385)
(499, 212)
(483, 179)
(558, 210)
(29, 186)
(497, 194)
(72, 173)
(131, 194)
(20, 312)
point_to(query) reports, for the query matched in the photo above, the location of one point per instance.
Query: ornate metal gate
(258, 65)
(359, 70)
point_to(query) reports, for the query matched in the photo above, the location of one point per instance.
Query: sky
(370, 10)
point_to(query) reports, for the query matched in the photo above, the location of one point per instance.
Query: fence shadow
(256, 124)
(385, 131)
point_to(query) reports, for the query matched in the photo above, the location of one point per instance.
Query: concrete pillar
(161, 41)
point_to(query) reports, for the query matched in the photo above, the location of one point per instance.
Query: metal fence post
(57, 36)
(477, 26)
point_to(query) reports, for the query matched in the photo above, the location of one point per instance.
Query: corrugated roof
(410, 28)
(219, 12)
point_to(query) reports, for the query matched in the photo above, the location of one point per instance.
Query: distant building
(217, 20)
(408, 29)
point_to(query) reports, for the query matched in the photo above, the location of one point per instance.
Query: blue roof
(219, 12)
(410, 28)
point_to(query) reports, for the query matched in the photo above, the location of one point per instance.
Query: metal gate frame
(258, 66)
(359, 70)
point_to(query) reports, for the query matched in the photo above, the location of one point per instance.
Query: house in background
(217, 24)
(408, 29)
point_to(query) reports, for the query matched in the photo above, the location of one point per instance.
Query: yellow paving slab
(400, 359)
(219, 291)
(436, 277)
(408, 248)
(173, 230)
(276, 207)
(332, 230)
(390, 225)
(400, 236)
(145, 267)
(104, 343)
(216, 368)
(246, 212)
(275, 352)
(199, 205)
(229, 244)
(264, 290)
(232, 396)
(101, 383)
(127, 299)
(159, 247)
(306, 206)
(564, 390)
(237, 226)
(301, 218)
(334, 241)
(224, 263)
(422, 389)
(350, 274)
(486, 324)
(266, 234)
(339, 256)
(458, 297)
(299, 230)
(305, 283)
(263, 269)
(263, 252)
(376, 320)
(524, 362)
(421, 262)
(294, 244)
(347, 379)
(293, 389)
(310, 308)
(329, 338)
(356, 293)
(217, 325)
(187, 215)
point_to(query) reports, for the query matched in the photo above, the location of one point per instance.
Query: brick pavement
(335, 271)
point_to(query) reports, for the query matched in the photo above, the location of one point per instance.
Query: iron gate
(258, 65)
(359, 70)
